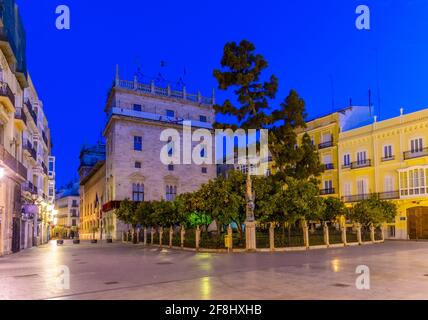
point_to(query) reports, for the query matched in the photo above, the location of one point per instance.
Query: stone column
(250, 235)
(160, 236)
(360, 240)
(197, 237)
(145, 236)
(171, 234)
(326, 235)
(152, 233)
(344, 240)
(306, 233)
(372, 233)
(272, 236)
(182, 235)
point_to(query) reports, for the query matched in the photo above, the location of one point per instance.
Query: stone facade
(137, 115)
(27, 180)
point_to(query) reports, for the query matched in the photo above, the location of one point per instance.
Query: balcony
(12, 163)
(45, 138)
(329, 166)
(390, 195)
(389, 158)
(324, 192)
(20, 116)
(356, 198)
(325, 145)
(6, 96)
(29, 148)
(29, 187)
(361, 164)
(31, 110)
(415, 154)
(45, 169)
(346, 166)
(109, 206)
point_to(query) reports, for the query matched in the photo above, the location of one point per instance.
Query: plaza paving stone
(398, 270)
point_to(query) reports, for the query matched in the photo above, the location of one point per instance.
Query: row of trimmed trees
(221, 202)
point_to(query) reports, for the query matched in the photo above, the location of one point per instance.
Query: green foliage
(127, 212)
(308, 164)
(334, 208)
(242, 69)
(299, 200)
(283, 137)
(265, 189)
(373, 211)
(198, 219)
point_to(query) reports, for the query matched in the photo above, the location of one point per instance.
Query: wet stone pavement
(398, 270)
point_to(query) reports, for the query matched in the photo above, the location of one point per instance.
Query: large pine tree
(241, 70)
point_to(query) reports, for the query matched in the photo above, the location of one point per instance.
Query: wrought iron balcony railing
(389, 195)
(31, 111)
(415, 154)
(20, 115)
(324, 192)
(389, 158)
(12, 163)
(326, 144)
(361, 164)
(30, 187)
(329, 166)
(45, 138)
(5, 91)
(31, 150)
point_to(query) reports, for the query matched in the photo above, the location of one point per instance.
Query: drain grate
(27, 276)
(164, 263)
(341, 285)
(111, 283)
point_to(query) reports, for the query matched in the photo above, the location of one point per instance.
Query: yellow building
(389, 158)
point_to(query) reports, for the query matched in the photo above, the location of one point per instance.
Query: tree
(144, 213)
(242, 69)
(308, 164)
(283, 135)
(265, 189)
(373, 212)
(164, 213)
(127, 213)
(334, 207)
(301, 162)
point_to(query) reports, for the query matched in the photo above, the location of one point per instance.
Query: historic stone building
(67, 205)
(137, 114)
(26, 183)
(389, 158)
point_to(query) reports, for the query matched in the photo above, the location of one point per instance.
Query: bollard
(272, 237)
(326, 235)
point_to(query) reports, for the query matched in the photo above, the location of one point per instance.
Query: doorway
(417, 223)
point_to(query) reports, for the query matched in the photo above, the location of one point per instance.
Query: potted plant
(94, 230)
(109, 229)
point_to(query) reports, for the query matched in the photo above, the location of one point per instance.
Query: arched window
(138, 192)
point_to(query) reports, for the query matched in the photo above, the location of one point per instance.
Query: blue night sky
(307, 43)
